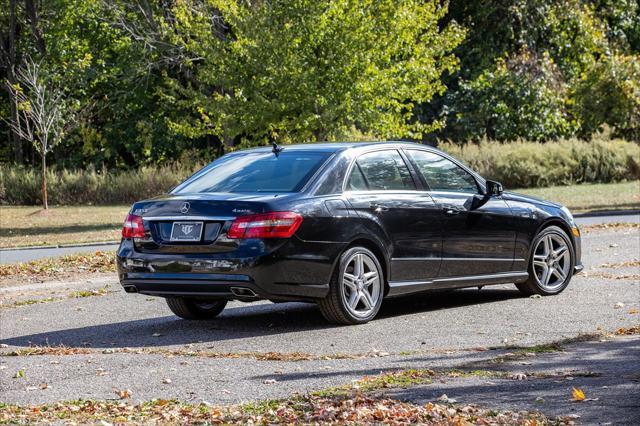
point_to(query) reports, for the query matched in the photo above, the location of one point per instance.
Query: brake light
(133, 227)
(267, 225)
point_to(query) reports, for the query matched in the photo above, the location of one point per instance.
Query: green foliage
(157, 79)
(519, 96)
(523, 61)
(609, 94)
(622, 21)
(308, 70)
(530, 164)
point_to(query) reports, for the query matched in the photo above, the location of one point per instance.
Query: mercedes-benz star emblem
(185, 207)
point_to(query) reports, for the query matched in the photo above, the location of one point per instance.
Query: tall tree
(307, 70)
(43, 114)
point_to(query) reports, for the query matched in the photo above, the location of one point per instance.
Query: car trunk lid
(195, 223)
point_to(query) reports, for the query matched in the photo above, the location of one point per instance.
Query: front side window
(380, 171)
(442, 174)
(255, 172)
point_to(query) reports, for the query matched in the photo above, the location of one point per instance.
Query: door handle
(451, 211)
(378, 207)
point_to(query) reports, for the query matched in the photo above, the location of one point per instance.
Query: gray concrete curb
(598, 213)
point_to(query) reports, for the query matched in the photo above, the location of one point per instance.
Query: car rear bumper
(219, 287)
(295, 271)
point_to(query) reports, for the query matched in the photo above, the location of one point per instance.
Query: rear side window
(255, 172)
(384, 170)
(356, 180)
(442, 174)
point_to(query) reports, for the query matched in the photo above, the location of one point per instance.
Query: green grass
(591, 197)
(31, 226)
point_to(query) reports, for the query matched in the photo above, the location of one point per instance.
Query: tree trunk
(45, 202)
(31, 7)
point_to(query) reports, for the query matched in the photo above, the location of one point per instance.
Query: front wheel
(356, 289)
(551, 263)
(195, 309)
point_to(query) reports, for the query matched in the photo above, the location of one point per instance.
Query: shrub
(516, 164)
(609, 94)
(530, 164)
(19, 185)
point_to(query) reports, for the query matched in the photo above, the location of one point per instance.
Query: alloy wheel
(361, 285)
(551, 262)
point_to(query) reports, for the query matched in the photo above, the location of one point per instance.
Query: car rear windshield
(255, 172)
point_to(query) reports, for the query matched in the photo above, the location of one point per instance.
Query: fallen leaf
(166, 381)
(446, 399)
(20, 373)
(123, 394)
(518, 376)
(578, 394)
(619, 305)
(44, 386)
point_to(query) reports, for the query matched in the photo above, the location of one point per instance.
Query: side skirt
(399, 288)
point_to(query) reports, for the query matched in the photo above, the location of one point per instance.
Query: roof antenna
(276, 148)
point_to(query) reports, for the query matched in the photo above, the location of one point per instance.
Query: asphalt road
(433, 330)
(27, 255)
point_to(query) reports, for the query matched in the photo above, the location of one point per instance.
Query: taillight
(267, 225)
(133, 227)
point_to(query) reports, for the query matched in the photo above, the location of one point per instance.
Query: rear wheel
(551, 263)
(195, 309)
(356, 289)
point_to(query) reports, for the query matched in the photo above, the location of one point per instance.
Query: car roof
(334, 146)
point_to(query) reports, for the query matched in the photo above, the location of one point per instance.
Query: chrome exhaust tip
(243, 292)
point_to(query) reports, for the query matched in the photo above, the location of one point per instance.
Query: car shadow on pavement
(608, 372)
(252, 320)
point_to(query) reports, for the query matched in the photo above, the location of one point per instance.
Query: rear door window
(385, 170)
(255, 172)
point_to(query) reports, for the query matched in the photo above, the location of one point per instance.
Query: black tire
(195, 309)
(532, 285)
(333, 307)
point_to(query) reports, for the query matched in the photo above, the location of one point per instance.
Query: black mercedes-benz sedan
(344, 225)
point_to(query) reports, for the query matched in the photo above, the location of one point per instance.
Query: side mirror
(494, 188)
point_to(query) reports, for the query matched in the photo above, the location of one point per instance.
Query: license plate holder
(186, 231)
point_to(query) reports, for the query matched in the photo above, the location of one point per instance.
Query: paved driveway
(432, 330)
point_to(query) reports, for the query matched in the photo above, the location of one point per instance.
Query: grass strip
(59, 267)
(353, 408)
